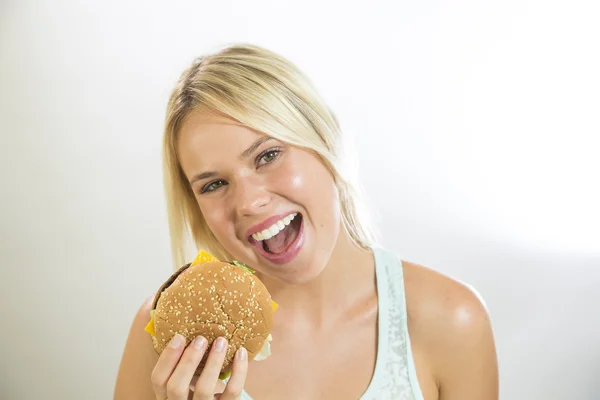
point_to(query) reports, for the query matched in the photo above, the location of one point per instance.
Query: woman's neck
(348, 278)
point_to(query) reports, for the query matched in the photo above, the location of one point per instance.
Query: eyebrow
(245, 154)
(255, 146)
(201, 176)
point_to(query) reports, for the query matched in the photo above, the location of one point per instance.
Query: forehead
(208, 129)
(204, 136)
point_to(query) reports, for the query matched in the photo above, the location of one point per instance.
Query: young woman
(248, 143)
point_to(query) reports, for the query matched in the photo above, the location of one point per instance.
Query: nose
(250, 198)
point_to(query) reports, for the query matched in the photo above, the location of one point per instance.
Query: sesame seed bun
(214, 299)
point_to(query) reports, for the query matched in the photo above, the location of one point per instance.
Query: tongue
(280, 242)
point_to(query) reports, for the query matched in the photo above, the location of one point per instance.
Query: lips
(266, 223)
(292, 249)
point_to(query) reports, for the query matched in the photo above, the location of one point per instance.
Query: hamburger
(212, 298)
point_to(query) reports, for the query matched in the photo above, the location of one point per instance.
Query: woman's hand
(173, 375)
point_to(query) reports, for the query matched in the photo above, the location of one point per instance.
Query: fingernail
(199, 342)
(176, 341)
(220, 344)
(241, 354)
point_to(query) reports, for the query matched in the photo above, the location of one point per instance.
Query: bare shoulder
(138, 360)
(436, 300)
(451, 330)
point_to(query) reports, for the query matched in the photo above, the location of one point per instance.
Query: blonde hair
(265, 92)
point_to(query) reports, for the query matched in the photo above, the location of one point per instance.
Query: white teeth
(274, 229)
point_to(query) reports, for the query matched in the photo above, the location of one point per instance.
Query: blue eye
(212, 186)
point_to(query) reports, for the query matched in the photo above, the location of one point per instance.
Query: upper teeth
(274, 229)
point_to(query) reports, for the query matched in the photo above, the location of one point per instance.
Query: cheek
(306, 172)
(214, 215)
(312, 185)
(300, 183)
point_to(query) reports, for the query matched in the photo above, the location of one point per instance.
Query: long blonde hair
(265, 92)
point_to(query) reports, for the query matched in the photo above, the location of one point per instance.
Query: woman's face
(271, 205)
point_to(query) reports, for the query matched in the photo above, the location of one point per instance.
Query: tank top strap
(395, 374)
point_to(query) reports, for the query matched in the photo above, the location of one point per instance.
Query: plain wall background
(476, 124)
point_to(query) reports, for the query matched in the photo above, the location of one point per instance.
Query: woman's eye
(212, 186)
(268, 156)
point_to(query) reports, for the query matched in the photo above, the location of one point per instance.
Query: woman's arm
(139, 359)
(452, 335)
(468, 367)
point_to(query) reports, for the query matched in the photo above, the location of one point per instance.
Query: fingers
(205, 386)
(178, 386)
(166, 365)
(175, 367)
(235, 386)
(173, 375)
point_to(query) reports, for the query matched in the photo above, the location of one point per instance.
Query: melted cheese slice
(150, 327)
(203, 257)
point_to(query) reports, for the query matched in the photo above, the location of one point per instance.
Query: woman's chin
(295, 273)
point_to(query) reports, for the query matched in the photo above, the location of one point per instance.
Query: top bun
(211, 299)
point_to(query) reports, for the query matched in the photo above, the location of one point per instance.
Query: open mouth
(281, 241)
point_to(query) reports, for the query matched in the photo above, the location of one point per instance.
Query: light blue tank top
(395, 376)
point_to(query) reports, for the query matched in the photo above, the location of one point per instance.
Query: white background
(476, 122)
